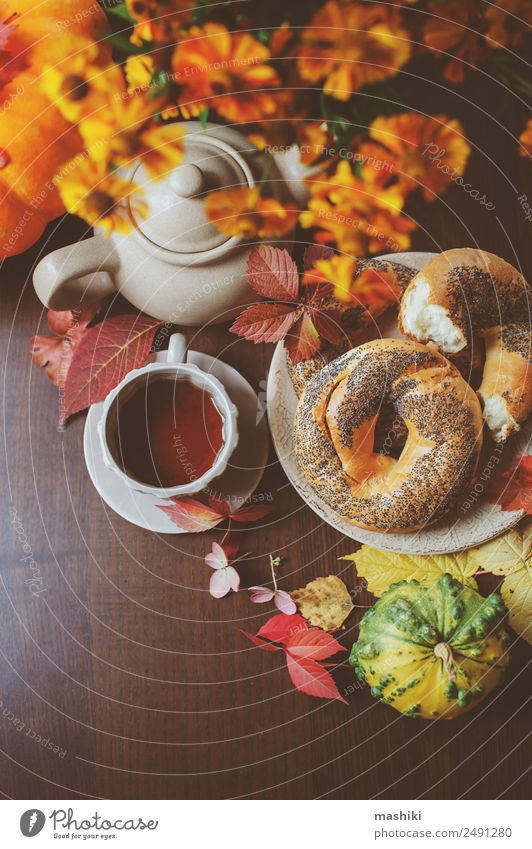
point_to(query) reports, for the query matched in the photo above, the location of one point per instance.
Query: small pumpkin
(434, 651)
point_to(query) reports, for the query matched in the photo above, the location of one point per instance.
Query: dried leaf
(516, 591)
(513, 488)
(191, 515)
(55, 352)
(273, 273)
(328, 324)
(382, 568)
(311, 678)
(282, 627)
(261, 644)
(251, 513)
(325, 602)
(313, 644)
(104, 356)
(265, 322)
(303, 341)
(505, 554)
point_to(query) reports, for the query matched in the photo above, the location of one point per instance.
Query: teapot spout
(77, 275)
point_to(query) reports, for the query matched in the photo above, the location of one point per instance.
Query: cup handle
(177, 350)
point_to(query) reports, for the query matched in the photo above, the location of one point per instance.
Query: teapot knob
(187, 180)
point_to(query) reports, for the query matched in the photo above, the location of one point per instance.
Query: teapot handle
(76, 275)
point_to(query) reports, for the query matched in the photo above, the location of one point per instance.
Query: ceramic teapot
(173, 264)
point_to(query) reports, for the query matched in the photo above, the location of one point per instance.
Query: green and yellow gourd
(432, 652)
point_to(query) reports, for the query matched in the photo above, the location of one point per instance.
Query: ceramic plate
(475, 520)
(237, 483)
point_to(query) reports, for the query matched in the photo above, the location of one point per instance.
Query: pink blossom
(225, 577)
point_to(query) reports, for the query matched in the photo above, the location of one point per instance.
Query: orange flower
(155, 21)
(428, 152)
(227, 72)
(99, 198)
(455, 27)
(352, 44)
(507, 21)
(372, 289)
(526, 139)
(358, 217)
(242, 212)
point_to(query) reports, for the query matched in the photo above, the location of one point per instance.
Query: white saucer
(236, 485)
(466, 527)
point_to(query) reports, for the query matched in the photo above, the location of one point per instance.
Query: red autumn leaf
(266, 322)
(262, 644)
(315, 252)
(303, 340)
(104, 356)
(328, 324)
(55, 352)
(311, 678)
(513, 488)
(313, 644)
(273, 273)
(282, 627)
(192, 515)
(5, 158)
(251, 513)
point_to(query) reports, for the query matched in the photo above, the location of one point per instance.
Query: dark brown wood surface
(143, 681)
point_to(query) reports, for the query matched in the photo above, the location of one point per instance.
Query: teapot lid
(176, 218)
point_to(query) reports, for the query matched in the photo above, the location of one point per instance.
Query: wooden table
(144, 684)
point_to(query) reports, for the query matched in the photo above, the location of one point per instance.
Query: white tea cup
(169, 363)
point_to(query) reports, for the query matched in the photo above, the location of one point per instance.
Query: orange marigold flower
(156, 21)
(358, 217)
(243, 212)
(99, 198)
(352, 44)
(526, 139)
(372, 289)
(507, 20)
(227, 72)
(429, 152)
(456, 27)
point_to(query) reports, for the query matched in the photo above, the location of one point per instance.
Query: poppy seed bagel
(355, 321)
(463, 293)
(335, 425)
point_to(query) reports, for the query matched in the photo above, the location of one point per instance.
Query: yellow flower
(139, 72)
(526, 139)
(98, 197)
(352, 44)
(225, 71)
(126, 131)
(158, 20)
(428, 152)
(242, 212)
(358, 217)
(370, 288)
(79, 84)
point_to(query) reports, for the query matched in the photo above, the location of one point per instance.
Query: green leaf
(203, 117)
(122, 42)
(121, 11)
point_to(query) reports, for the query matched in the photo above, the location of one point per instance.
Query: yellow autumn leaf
(506, 554)
(325, 602)
(516, 591)
(382, 568)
